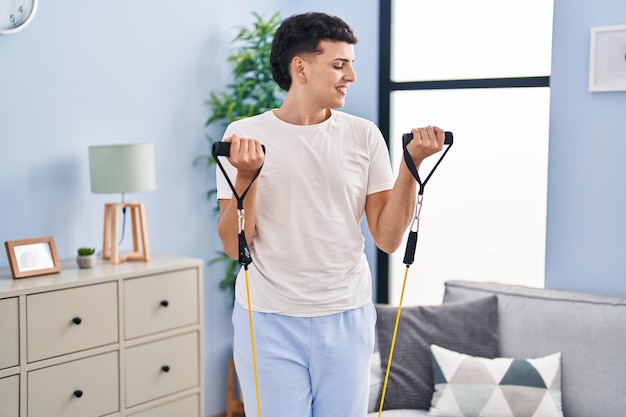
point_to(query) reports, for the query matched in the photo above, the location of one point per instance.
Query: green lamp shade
(118, 169)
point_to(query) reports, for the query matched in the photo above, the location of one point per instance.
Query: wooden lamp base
(139, 230)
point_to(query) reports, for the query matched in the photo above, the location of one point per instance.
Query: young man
(310, 283)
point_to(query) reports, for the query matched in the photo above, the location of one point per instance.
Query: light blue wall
(108, 72)
(586, 242)
(90, 73)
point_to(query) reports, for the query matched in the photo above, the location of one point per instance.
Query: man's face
(330, 73)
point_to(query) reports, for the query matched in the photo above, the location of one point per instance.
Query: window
(461, 39)
(484, 211)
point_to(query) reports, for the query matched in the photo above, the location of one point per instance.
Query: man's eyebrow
(342, 59)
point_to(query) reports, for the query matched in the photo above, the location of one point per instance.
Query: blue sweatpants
(307, 366)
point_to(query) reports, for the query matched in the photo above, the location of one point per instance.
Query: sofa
(578, 339)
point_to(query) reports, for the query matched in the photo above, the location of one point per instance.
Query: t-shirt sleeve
(380, 174)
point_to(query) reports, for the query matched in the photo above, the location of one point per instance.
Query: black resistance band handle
(406, 138)
(448, 139)
(223, 148)
(411, 244)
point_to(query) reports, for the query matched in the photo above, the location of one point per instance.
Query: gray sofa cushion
(589, 331)
(467, 327)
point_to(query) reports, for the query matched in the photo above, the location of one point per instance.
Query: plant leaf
(251, 92)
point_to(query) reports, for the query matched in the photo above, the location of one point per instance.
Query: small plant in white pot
(86, 257)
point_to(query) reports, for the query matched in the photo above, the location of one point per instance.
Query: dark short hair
(300, 35)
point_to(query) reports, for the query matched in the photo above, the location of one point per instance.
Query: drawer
(160, 302)
(10, 396)
(185, 407)
(9, 333)
(161, 368)
(81, 388)
(60, 322)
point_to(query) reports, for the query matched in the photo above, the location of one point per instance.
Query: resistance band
(409, 253)
(223, 149)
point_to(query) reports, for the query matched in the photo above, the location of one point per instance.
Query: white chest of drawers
(116, 340)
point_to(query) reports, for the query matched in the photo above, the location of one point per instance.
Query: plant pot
(86, 261)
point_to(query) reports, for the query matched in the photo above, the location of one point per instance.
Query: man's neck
(299, 113)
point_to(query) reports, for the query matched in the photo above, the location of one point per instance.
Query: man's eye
(337, 67)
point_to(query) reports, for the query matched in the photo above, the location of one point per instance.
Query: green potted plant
(86, 257)
(252, 91)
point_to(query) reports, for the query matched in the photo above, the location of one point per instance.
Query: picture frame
(30, 257)
(607, 58)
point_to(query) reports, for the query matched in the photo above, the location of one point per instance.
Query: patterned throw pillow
(503, 387)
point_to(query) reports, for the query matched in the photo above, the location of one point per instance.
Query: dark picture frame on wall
(31, 257)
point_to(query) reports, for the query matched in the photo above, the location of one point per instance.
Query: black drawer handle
(77, 320)
(78, 393)
(165, 303)
(165, 368)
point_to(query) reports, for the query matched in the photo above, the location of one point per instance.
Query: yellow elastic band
(393, 344)
(256, 374)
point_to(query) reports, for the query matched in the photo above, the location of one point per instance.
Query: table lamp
(121, 169)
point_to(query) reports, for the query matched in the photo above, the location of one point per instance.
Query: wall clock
(15, 15)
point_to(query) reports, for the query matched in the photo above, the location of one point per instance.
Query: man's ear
(299, 70)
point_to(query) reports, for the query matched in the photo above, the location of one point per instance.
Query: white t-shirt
(308, 251)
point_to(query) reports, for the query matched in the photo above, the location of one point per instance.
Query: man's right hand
(246, 155)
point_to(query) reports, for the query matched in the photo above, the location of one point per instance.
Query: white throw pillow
(469, 386)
